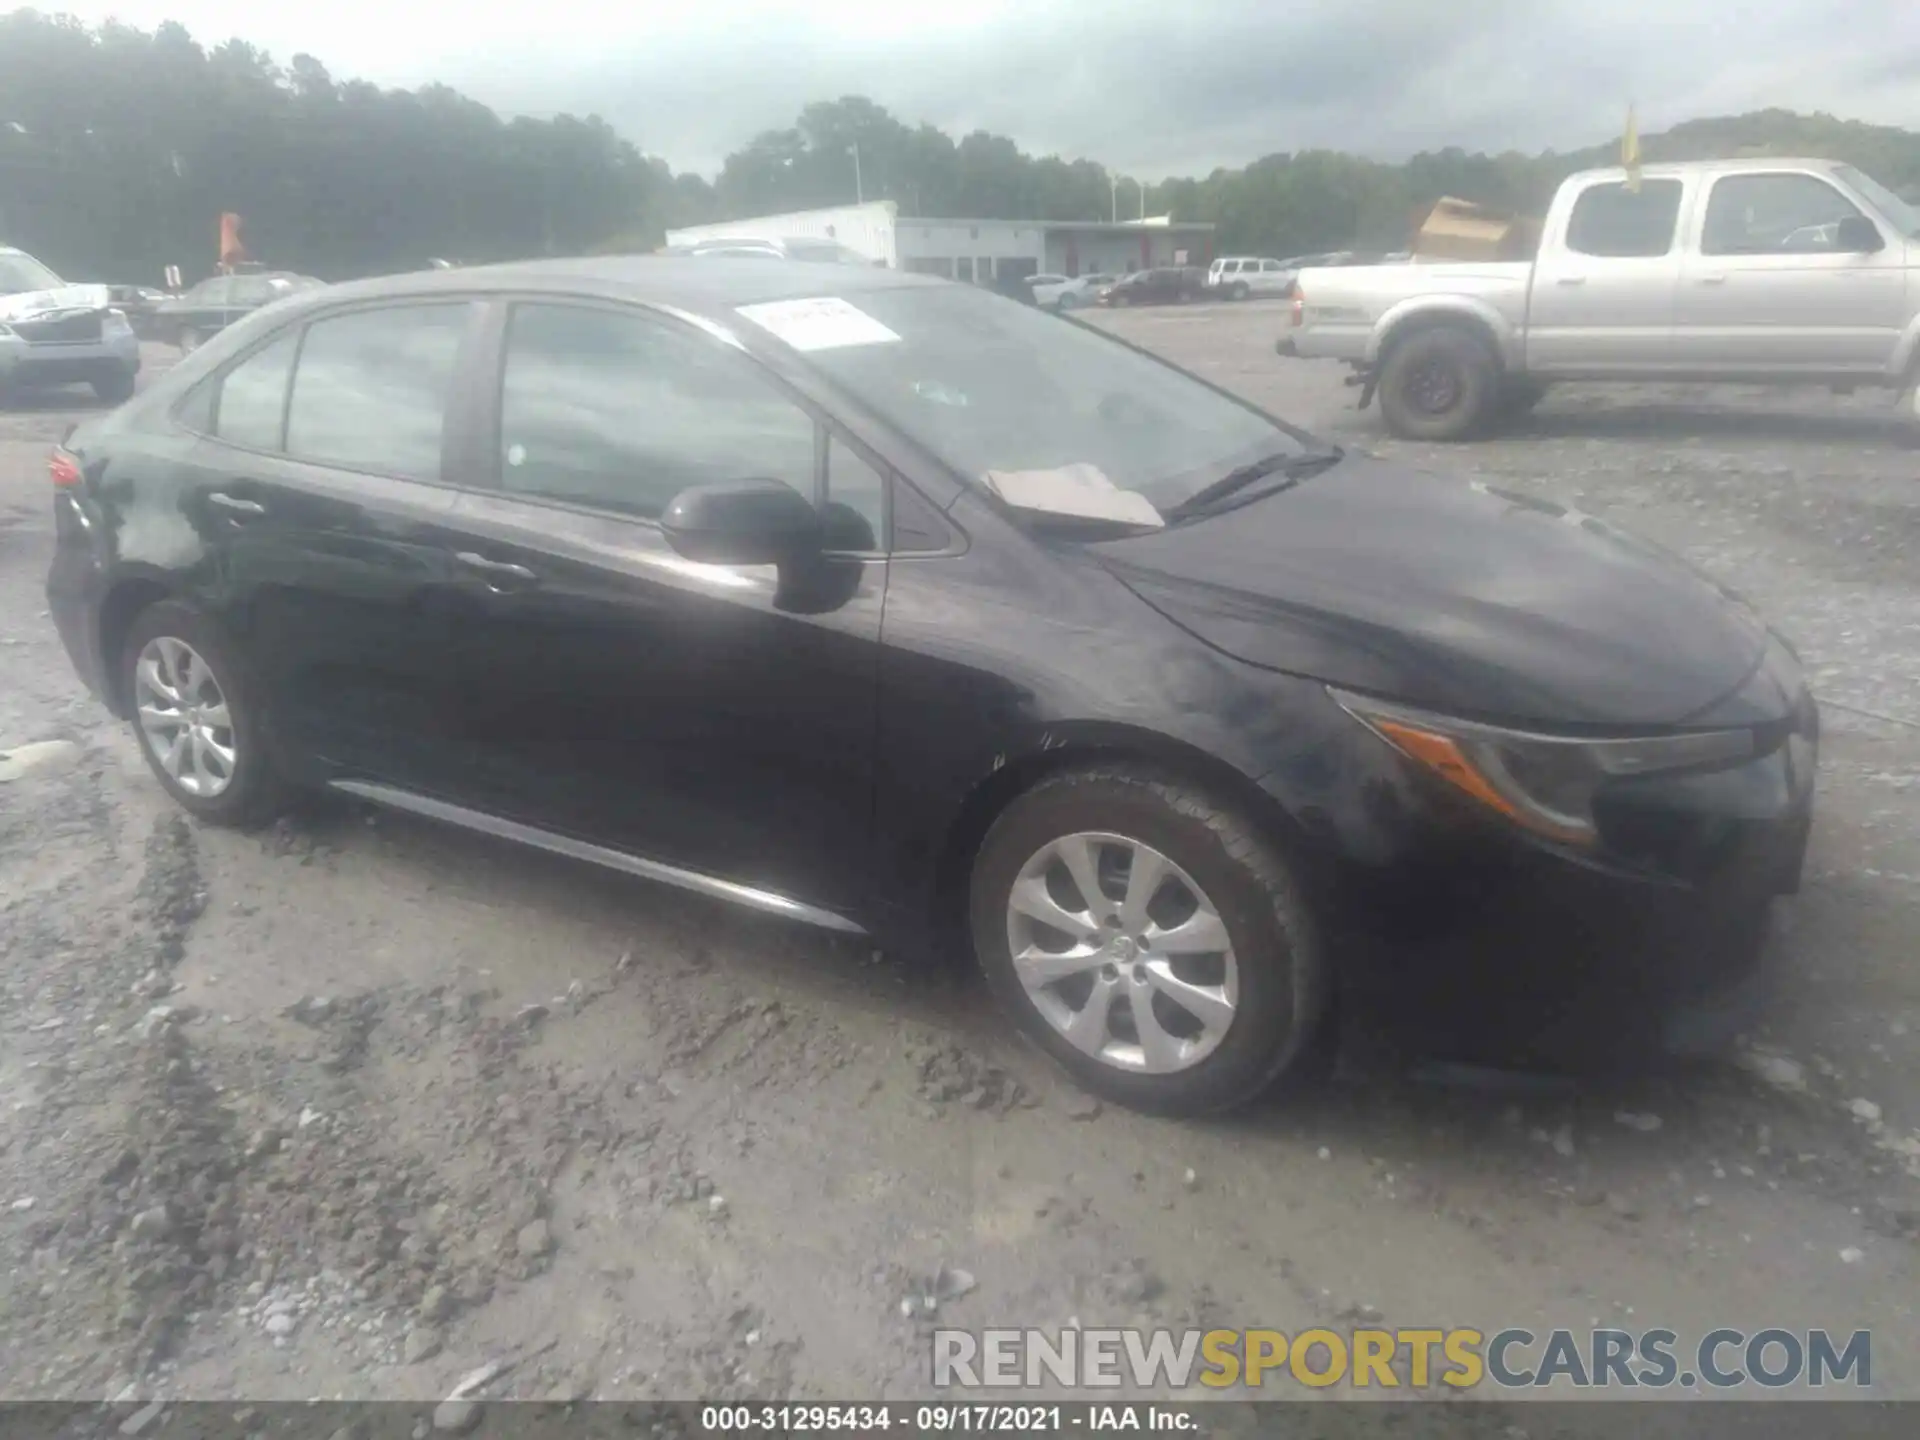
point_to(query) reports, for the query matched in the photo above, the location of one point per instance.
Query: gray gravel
(290, 1127)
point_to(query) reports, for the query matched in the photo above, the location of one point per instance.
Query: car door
(1602, 299)
(719, 719)
(326, 479)
(1271, 280)
(1772, 285)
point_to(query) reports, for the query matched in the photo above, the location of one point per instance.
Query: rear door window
(1611, 221)
(371, 388)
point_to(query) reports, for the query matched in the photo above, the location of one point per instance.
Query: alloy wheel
(184, 719)
(1122, 953)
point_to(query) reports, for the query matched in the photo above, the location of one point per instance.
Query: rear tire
(189, 341)
(177, 661)
(1260, 1002)
(114, 387)
(1439, 384)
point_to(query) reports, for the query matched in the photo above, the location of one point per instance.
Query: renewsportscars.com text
(1510, 1359)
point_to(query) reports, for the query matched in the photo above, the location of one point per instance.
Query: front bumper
(28, 365)
(1482, 945)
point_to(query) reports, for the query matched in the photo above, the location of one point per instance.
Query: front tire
(1166, 957)
(189, 341)
(1239, 292)
(196, 717)
(1439, 384)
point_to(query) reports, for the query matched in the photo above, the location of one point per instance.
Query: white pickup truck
(1759, 271)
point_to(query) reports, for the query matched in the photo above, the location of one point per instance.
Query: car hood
(1451, 595)
(34, 304)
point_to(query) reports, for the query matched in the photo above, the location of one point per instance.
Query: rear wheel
(196, 716)
(1148, 938)
(189, 341)
(1438, 384)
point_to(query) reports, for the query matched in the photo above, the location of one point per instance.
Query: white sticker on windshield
(823, 323)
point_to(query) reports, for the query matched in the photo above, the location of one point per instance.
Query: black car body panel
(1375, 577)
(842, 732)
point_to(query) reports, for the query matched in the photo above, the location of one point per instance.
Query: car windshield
(1903, 215)
(20, 273)
(993, 386)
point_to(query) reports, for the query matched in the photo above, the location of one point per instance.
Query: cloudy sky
(1152, 87)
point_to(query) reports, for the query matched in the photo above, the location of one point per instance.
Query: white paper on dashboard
(825, 322)
(1077, 489)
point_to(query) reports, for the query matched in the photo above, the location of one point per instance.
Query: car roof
(683, 282)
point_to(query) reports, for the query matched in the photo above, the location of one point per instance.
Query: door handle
(504, 569)
(234, 505)
(1713, 279)
(1571, 280)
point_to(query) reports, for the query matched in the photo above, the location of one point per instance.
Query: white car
(1062, 292)
(1239, 277)
(53, 333)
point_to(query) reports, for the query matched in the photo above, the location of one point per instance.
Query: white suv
(1239, 276)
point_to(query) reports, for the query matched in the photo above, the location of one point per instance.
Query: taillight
(64, 469)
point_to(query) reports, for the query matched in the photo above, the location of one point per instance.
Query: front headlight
(1543, 783)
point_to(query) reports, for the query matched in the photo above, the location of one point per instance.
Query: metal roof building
(980, 251)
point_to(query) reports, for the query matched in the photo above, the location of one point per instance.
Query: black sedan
(898, 609)
(216, 302)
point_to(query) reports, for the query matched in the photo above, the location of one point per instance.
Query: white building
(980, 251)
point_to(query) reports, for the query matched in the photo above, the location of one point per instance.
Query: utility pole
(1113, 184)
(859, 190)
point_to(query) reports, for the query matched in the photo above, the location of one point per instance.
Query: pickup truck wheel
(1438, 385)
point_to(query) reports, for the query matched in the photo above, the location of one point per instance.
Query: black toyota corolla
(894, 607)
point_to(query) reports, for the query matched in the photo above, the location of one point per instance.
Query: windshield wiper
(1294, 468)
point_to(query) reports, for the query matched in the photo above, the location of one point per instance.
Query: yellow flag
(1630, 152)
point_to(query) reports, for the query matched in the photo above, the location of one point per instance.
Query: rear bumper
(76, 588)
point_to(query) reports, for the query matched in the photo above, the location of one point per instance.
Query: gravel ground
(353, 1105)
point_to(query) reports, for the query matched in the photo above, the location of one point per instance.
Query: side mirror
(742, 522)
(1857, 235)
